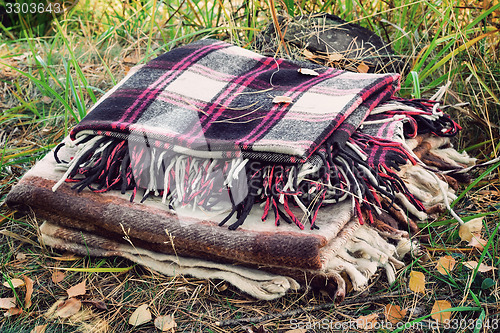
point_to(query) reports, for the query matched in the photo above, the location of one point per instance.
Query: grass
(51, 75)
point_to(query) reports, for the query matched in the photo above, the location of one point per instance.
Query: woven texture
(199, 135)
(213, 125)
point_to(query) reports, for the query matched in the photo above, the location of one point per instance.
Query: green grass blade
(477, 180)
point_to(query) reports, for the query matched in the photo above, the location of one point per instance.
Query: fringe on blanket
(362, 170)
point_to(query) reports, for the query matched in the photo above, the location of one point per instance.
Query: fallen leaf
(29, 291)
(77, 290)
(7, 303)
(15, 283)
(394, 313)
(282, 99)
(165, 323)
(445, 264)
(471, 228)
(68, 308)
(39, 329)
(46, 100)
(367, 322)
(363, 68)
(443, 317)
(50, 312)
(482, 268)
(417, 282)
(335, 57)
(98, 304)
(307, 71)
(309, 55)
(477, 242)
(68, 256)
(13, 312)
(58, 276)
(260, 329)
(140, 316)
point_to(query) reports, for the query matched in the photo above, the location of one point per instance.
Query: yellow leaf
(443, 317)
(7, 303)
(335, 57)
(307, 71)
(68, 308)
(367, 322)
(15, 283)
(29, 291)
(394, 313)
(13, 312)
(39, 329)
(363, 68)
(282, 99)
(165, 323)
(478, 243)
(417, 282)
(58, 276)
(445, 264)
(140, 316)
(309, 55)
(473, 227)
(77, 290)
(482, 268)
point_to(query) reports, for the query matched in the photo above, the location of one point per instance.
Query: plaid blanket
(216, 126)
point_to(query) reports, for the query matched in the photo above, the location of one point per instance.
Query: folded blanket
(215, 126)
(209, 131)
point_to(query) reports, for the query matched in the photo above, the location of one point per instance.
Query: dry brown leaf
(77, 290)
(478, 243)
(7, 303)
(282, 99)
(140, 316)
(15, 283)
(46, 100)
(39, 329)
(335, 57)
(29, 291)
(67, 256)
(394, 313)
(68, 308)
(367, 322)
(307, 71)
(363, 68)
(50, 312)
(98, 304)
(438, 306)
(13, 312)
(482, 268)
(445, 264)
(165, 323)
(309, 55)
(58, 276)
(473, 227)
(417, 282)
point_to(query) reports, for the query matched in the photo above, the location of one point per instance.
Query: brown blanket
(315, 257)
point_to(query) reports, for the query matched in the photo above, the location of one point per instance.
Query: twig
(254, 320)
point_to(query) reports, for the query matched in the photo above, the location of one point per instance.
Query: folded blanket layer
(210, 133)
(213, 125)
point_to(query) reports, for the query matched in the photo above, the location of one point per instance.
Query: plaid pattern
(213, 96)
(199, 125)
